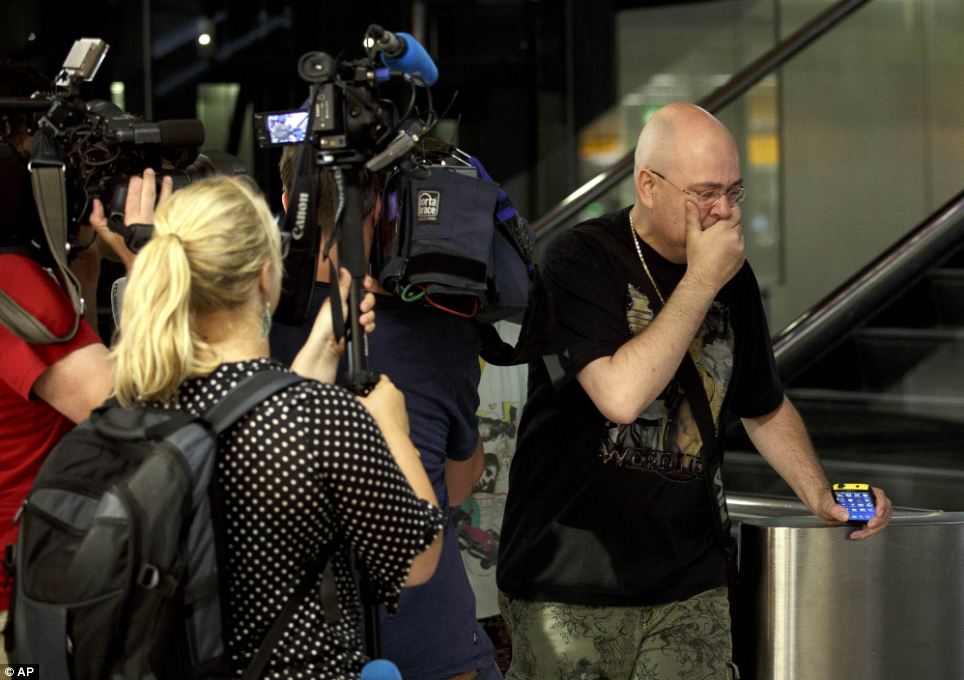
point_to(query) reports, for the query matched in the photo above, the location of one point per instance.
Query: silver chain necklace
(639, 251)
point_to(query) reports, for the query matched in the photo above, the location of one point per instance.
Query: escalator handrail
(851, 304)
(714, 102)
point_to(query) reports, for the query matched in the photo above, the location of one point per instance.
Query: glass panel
(215, 108)
(853, 131)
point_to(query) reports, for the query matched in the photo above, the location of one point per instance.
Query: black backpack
(116, 565)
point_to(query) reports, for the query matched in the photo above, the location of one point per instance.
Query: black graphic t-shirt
(606, 514)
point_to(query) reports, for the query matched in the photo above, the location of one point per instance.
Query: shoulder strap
(710, 452)
(245, 396)
(307, 583)
(25, 326)
(240, 400)
(47, 175)
(248, 393)
(50, 195)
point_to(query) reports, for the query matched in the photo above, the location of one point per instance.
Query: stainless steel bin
(815, 605)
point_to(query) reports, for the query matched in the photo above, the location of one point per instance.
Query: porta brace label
(429, 202)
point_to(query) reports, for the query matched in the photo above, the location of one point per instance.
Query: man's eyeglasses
(707, 199)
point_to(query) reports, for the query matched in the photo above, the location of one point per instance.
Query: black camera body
(344, 117)
(80, 151)
(99, 146)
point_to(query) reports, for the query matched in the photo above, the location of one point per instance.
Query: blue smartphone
(858, 499)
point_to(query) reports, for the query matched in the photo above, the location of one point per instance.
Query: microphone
(404, 141)
(380, 669)
(402, 51)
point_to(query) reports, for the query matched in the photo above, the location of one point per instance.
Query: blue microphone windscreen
(415, 61)
(380, 669)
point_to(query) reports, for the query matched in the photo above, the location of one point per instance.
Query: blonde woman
(311, 470)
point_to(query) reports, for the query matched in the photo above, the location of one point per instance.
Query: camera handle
(351, 251)
(361, 380)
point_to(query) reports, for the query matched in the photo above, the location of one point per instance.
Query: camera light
(117, 91)
(204, 39)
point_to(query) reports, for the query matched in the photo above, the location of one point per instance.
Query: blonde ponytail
(210, 241)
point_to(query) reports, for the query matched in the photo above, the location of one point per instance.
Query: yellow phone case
(851, 487)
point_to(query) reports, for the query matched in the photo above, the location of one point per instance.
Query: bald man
(613, 559)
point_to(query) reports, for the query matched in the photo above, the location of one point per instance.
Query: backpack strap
(307, 583)
(245, 396)
(239, 401)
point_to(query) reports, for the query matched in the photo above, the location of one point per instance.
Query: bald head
(682, 152)
(678, 132)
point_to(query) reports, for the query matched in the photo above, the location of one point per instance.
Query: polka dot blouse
(305, 473)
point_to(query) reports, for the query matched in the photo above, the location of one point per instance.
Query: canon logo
(301, 216)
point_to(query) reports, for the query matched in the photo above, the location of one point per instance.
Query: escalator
(876, 370)
(876, 367)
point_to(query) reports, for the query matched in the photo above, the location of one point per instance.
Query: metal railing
(818, 329)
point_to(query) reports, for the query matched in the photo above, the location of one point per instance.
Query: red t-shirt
(29, 427)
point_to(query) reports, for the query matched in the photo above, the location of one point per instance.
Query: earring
(266, 320)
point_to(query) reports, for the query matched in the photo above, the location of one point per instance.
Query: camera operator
(433, 358)
(44, 388)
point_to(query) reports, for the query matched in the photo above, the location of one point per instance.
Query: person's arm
(318, 357)
(86, 267)
(622, 385)
(781, 438)
(387, 406)
(461, 476)
(77, 383)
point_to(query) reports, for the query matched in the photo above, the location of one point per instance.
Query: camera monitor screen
(286, 127)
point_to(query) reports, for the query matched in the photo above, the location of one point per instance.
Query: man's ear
(645, 187)
(284, 200)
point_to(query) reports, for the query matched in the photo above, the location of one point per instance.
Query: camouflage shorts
(680, 640)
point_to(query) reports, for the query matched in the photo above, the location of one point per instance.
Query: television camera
(347, 125)
(82, 150)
